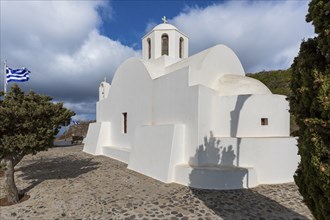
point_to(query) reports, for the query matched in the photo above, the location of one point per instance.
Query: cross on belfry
(164, 20)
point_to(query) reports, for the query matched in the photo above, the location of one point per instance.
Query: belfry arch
(165, 46)
(181, 47)
(165, 42)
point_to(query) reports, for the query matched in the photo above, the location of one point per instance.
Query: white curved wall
(131, 92)
(210, 65)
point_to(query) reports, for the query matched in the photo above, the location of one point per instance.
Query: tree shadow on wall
(67, 167)
(207, 152)
(213, 166)
(213, 157)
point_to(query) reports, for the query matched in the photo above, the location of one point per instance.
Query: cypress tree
(310, 103)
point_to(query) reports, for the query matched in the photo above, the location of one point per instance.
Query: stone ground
(65, 183)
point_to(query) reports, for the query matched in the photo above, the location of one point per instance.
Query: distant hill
(278, 81)
(78, 130)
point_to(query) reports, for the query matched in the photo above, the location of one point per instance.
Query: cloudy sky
(70, 46)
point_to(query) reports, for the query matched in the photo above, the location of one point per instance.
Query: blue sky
(126, 17)
(70, 46)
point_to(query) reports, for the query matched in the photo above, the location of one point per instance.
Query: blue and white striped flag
(18, 75)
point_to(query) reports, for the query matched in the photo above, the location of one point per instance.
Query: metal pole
(66, 129)
(5, 77)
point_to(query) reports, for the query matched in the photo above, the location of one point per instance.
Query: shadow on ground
(244, 204)
(67, 167)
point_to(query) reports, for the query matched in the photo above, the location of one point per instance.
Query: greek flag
(18, 75)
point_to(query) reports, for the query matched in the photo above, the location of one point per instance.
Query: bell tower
(165, 42)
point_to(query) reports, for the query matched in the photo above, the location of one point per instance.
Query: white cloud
(86, 110)
(264, 34)
(81, 72)
(60, 43)
(53, 25)
(150, 26)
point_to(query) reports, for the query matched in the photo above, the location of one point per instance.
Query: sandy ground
(65, 183)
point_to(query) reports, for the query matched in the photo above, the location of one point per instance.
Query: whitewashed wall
(131, 92)
(208, 66)
(240, 116)
(175, 102)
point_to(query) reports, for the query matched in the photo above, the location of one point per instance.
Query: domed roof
(164, 26)
(240, 85)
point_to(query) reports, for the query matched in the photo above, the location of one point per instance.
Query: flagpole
(5, 77)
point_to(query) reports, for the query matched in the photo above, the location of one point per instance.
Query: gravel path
(65, 183)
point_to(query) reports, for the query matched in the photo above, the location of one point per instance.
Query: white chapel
(197, 121)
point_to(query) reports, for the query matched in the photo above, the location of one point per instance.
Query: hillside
(78, 130)
(278, 81)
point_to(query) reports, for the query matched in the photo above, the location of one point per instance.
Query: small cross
(105, 79)
(164, 20)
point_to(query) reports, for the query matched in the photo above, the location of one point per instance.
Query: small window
(181, 47)
(149, 48)
(124, 123)
(164, 44)
(264, 121)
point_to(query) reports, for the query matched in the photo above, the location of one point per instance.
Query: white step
(215, 177)
(118, 153)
